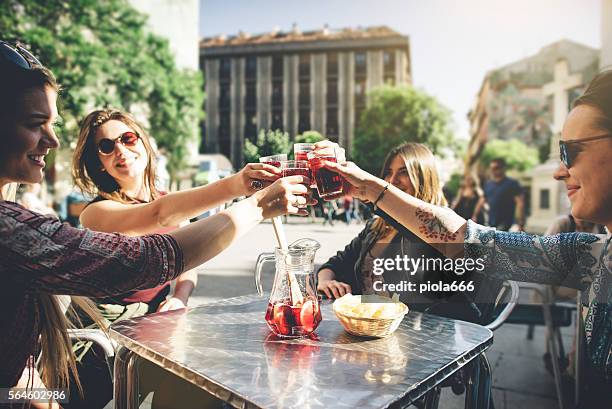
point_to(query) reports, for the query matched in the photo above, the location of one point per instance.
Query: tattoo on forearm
(433, 226)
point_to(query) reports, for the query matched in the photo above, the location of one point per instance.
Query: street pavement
(519, 377)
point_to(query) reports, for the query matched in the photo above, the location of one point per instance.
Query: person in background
(504, 197)
(470, 200)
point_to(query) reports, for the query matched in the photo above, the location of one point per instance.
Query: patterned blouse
(577, 260)
(40, 255)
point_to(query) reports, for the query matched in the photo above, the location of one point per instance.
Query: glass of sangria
(274, 160)
(329, 183)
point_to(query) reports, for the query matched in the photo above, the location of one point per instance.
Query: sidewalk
(520, 380)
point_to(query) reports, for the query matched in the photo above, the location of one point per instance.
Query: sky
(453, 43)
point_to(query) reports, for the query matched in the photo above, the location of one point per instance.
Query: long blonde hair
(422, 172)
(86, 165)
(57, 357)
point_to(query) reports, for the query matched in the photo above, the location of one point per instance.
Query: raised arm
(41, 254)
(563, 259)
(175, 207)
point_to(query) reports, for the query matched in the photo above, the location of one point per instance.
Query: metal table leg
(126, 380)
(478, 386)
(484, 389)
(472, 384)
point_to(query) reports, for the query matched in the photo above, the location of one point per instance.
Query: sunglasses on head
(18, 55)
(569, 150)
(128, 139)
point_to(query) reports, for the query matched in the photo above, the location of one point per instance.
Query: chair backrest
(504, 304)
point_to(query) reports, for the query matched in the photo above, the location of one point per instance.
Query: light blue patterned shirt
(577, 260)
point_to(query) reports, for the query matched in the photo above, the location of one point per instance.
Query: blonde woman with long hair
(411, 168)
(40, 257)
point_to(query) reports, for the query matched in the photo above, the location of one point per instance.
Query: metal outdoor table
(227, 349)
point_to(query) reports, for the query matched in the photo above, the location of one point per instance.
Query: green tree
(517, 155)
(396, 115)
(103, 56)
(267, 143)
(309, 137)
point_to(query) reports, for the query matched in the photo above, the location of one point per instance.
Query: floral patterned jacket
(577, 260)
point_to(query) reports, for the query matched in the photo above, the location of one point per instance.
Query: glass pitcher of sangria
(293, 308)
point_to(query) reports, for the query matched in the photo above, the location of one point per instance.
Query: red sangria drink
(329, 183)
(274, 160)
(294, 167)
(293, 321)
(300, 150)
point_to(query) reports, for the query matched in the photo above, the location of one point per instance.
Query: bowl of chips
(370, 315)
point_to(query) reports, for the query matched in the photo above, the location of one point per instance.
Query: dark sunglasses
(18, 55)
(128, 139)
(569, 150)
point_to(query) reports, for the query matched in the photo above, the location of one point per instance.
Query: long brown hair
(421, 167)
(87, 170)
(57, 356)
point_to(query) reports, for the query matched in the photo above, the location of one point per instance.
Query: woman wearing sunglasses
(40, 257)
(578, 260)
(114, 162)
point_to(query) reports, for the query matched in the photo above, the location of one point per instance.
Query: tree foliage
(267, 143)
(396, 115)
(103, 56)
(309, 137)
(517, 155)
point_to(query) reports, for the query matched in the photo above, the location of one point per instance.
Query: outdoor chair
(494, 314)
(553, 315)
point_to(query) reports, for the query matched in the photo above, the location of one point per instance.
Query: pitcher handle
(261, 259)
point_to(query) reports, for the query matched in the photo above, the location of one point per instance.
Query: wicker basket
(370, 327)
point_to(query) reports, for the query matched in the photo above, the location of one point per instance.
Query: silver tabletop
(227, 349)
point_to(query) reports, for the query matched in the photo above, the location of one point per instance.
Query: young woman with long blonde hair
(411, 168)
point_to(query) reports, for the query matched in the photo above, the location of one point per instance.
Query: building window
(389, 67)
(277, 94)
(250, 125)
(360, 63)
(544, 199)
(304, 120)
(225, 69)
(331, 125)
(277, 119)
(250, 97)
(304, 66)
(360, 92)
(304, 95)
(250, 71)
(360, 83)
(332, 65)
(224, 96)
(332, 92)
(277, 66)
(224, 133)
